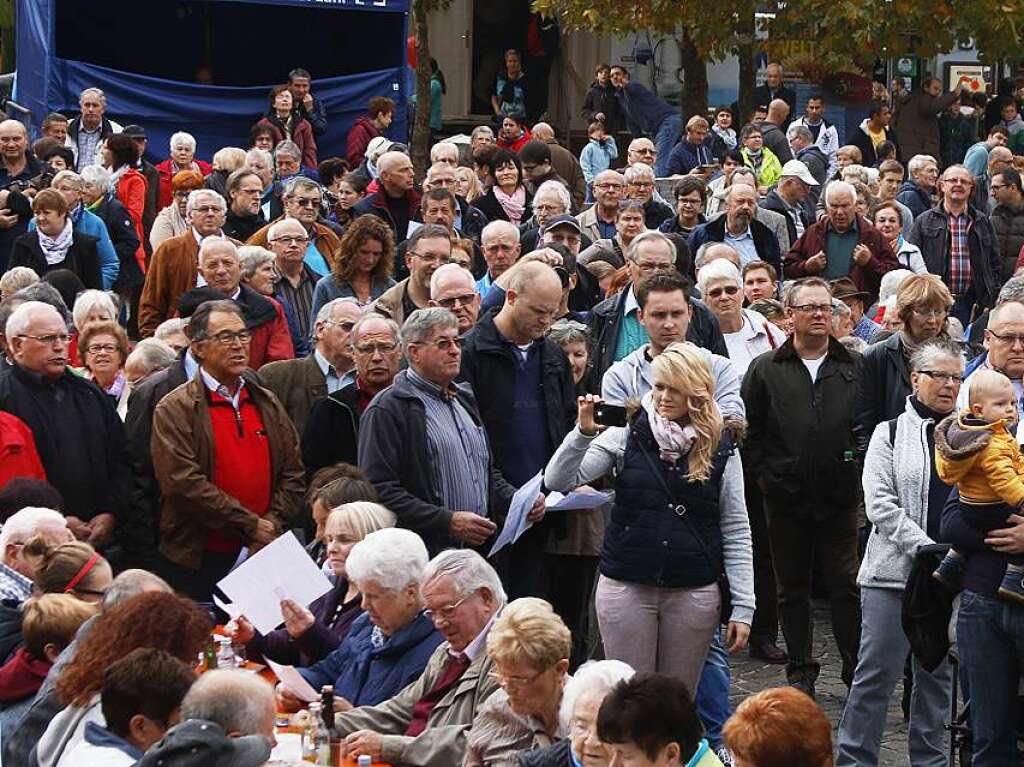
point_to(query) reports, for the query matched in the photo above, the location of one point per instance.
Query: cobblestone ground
(750, 676)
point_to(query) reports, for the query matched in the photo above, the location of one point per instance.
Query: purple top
(334, 618)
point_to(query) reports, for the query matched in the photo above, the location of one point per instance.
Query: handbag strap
(716, 566)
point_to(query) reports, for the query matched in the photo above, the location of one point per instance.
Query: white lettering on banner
(374, 3)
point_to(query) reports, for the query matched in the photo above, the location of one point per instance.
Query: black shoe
(764, 648)
(804, 686)
(1012, 587)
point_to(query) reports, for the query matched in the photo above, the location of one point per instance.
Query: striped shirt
(456, 446)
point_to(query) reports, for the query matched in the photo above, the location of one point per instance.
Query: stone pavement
(750, 676)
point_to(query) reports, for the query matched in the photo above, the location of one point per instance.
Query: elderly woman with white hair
(529, 646)
(640, 186)
(183, 157)
(747, 333)
(581, 700)
(90, 306)
(390, 644)
(311, 634)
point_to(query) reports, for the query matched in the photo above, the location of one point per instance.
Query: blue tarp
(64, 46)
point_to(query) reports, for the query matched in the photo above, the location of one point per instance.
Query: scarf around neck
(55, 249)
(514, 205)
(674, 441)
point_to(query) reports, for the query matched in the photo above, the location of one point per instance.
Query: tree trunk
(695, 78)
(746, 50)
(420, 149)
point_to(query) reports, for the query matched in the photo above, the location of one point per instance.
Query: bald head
(13, 142)
(220, 264)
(778, 111)
(715, 251)
(131, 583)
(389, 162)
(285, 227)
(543, 132)
(12, 126)
(240, 702)
(534, 276)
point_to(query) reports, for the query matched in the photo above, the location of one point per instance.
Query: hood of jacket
(960, 437)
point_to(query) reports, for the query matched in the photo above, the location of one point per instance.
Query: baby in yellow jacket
(975, 450)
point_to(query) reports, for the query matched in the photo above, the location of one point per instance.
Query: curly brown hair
(365, 228)
(154, 619)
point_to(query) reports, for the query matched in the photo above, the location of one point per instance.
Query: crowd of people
(797, 377)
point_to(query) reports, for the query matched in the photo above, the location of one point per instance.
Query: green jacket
(771, 168)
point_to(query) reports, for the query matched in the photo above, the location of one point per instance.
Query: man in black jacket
(874, 125)
(423, 446)
(527, 399)
(78, 435)
(142, 535)
(740, 229)
(774, 88)
(801, 442)
(958, 243)
(790, 198)
(244, 190)
(615, 329)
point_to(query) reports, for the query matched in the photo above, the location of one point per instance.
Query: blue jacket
(914, 196)
(91, 224)
(685, 157)
(365, 676)
(646, 542)
(643, 109)
(597, 156)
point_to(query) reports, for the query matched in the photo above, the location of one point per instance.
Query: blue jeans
(669, 132)
(712, 697)
(990, 637)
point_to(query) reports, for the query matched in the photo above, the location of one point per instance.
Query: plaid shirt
(14, 586)
(959, 255)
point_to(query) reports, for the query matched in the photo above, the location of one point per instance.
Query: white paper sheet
(516, 523)
(232, 611)
(280, 570)
(293, 681)
(583, 498)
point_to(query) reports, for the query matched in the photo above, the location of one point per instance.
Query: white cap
(378, 145)
(797, 169)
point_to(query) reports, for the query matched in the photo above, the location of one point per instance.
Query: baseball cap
(796, 169)
(377, 145)
(135, 131)
(199, 743)
(563, 220)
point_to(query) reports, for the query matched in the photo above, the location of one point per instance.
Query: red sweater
(22, 676)
(241, 461)
(18, 456)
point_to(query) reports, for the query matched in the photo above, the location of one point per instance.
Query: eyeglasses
(345, 325)
(653, 266)
(464, 300)
(642, 184)
(49, 340)
(943, 378)
(930, 313)
(812, 308)
(514, 681)
(442, 344)
(689, 202)
(432, 258)
(97, 348)
(181, 195)
(290, 240)
(729, 290)
(228, 338)
(607, 187)
(208, 209)
(1010, 339)
(376, 348)
(445, 613)
(307, 202)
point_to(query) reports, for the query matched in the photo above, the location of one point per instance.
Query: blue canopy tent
(148, 56)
